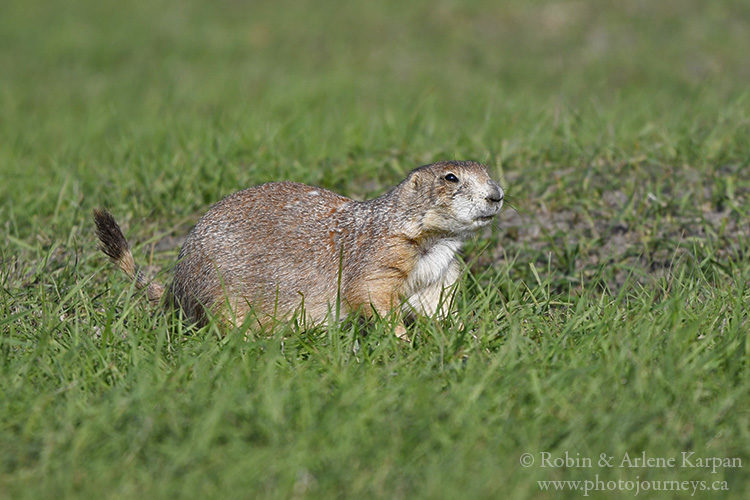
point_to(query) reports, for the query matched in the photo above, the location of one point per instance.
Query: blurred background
(157, 109)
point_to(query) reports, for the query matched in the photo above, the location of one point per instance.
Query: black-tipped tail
(111, 240)
(113, 243)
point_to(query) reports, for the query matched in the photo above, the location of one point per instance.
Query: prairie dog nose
(496, 194)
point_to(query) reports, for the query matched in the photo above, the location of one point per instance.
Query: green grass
(607, 312)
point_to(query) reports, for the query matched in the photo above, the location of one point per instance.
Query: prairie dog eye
(450, 178)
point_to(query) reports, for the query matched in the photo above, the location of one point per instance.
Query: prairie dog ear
(415, 181)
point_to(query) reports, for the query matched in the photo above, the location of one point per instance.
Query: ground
(604, 313)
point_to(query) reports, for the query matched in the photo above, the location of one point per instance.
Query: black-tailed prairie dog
(279, 249)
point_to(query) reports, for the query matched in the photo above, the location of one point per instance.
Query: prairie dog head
(455, 197)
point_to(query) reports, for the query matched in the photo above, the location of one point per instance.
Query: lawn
(604, 314)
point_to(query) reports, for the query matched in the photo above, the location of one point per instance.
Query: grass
(605, 313)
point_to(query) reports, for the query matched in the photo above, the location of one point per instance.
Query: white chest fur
(433, 265)
(428, 288)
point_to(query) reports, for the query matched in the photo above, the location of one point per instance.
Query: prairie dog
(276, 249)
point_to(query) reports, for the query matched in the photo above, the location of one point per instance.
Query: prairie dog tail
(113, 243)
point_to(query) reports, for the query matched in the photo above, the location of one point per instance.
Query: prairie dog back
(265, 247)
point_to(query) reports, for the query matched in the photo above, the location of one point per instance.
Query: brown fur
(272, 248)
